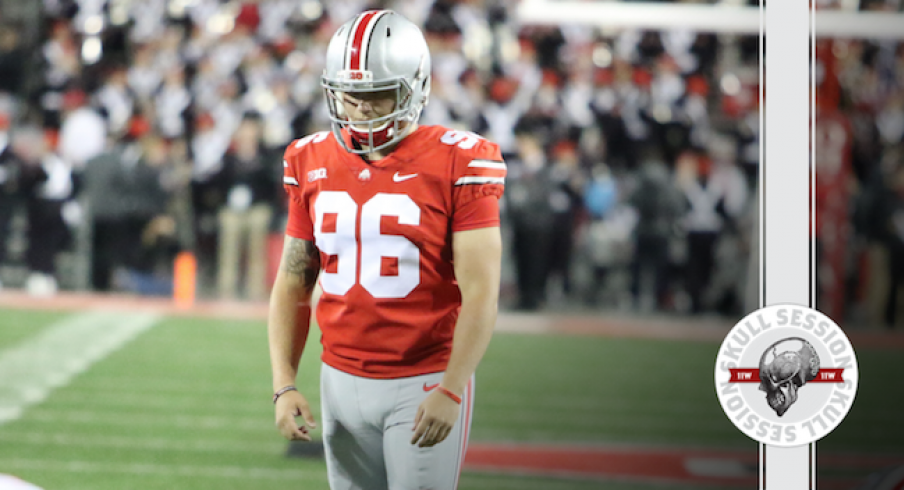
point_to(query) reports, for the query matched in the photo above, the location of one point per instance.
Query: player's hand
(434, 420)
(290, 405)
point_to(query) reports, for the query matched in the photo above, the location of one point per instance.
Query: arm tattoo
(301, 257)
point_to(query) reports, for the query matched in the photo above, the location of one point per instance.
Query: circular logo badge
(786, 375)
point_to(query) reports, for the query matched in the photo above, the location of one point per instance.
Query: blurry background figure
(879, 218)
(659, 206)
(566, 203)
(83, 131)
(895, 247)
(208, 145)
(607, 242)
(62, 67)
(13, 57)
(127, 198)
(252, 189)
(46, 182)
(116, 101)
(531, 217)
(716, 193)
(171, 104)
(9, 185)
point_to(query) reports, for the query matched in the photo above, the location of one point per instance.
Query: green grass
(17, 325)
(600, 389)
(186, 405)
(874, 423)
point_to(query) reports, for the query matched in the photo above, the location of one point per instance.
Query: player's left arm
(477, 256)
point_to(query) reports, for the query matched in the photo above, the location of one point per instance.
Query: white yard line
(109, 419)
(136, 469)
(48, 437)
(31, 370)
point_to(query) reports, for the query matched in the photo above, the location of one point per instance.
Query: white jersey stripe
(290, 180)
(487, 164)
(480, 180)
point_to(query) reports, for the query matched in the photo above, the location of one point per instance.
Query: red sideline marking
(658, 465)
(701, 467)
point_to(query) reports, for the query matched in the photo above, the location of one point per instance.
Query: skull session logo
(786, 375)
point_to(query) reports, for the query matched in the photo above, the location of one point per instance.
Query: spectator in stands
(62, 69)
(617, 105)
(116, 101)
(13, 58)
(144, 76)
(171, 104)
(83, 134)
(664, 112)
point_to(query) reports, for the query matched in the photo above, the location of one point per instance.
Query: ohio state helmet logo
(768, 359)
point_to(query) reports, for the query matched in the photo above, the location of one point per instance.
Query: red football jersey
(384, 231)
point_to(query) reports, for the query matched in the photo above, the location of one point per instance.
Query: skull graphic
(785, 366)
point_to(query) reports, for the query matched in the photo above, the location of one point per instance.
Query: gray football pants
(367, 429)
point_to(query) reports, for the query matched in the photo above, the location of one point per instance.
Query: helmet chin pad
(381, 135)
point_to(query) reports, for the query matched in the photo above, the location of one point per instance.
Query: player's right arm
(287, 327)
(290, 301)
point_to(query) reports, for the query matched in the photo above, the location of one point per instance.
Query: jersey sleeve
(299, 223)
(479, 181)
(479, 213)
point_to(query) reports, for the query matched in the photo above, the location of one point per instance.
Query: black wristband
(283, 391)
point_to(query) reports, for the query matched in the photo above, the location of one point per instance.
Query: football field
(132, 398)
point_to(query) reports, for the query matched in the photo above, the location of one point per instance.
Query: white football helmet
(378, 50)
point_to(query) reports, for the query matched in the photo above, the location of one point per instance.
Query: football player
(400, 222)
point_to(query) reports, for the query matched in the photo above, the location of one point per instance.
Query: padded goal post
(726, 19)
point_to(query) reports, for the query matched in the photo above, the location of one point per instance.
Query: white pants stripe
(467, 405)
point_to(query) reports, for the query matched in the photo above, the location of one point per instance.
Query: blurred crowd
(133, 130)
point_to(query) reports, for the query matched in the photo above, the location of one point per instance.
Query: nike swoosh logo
(401, 178)
(430, 387)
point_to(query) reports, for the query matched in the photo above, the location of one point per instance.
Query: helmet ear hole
(425, 89)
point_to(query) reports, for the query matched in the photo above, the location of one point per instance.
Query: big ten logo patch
(316, 174)
(786, 375)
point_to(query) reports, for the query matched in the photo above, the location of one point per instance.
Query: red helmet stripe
(360, 38)
(357, 50)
